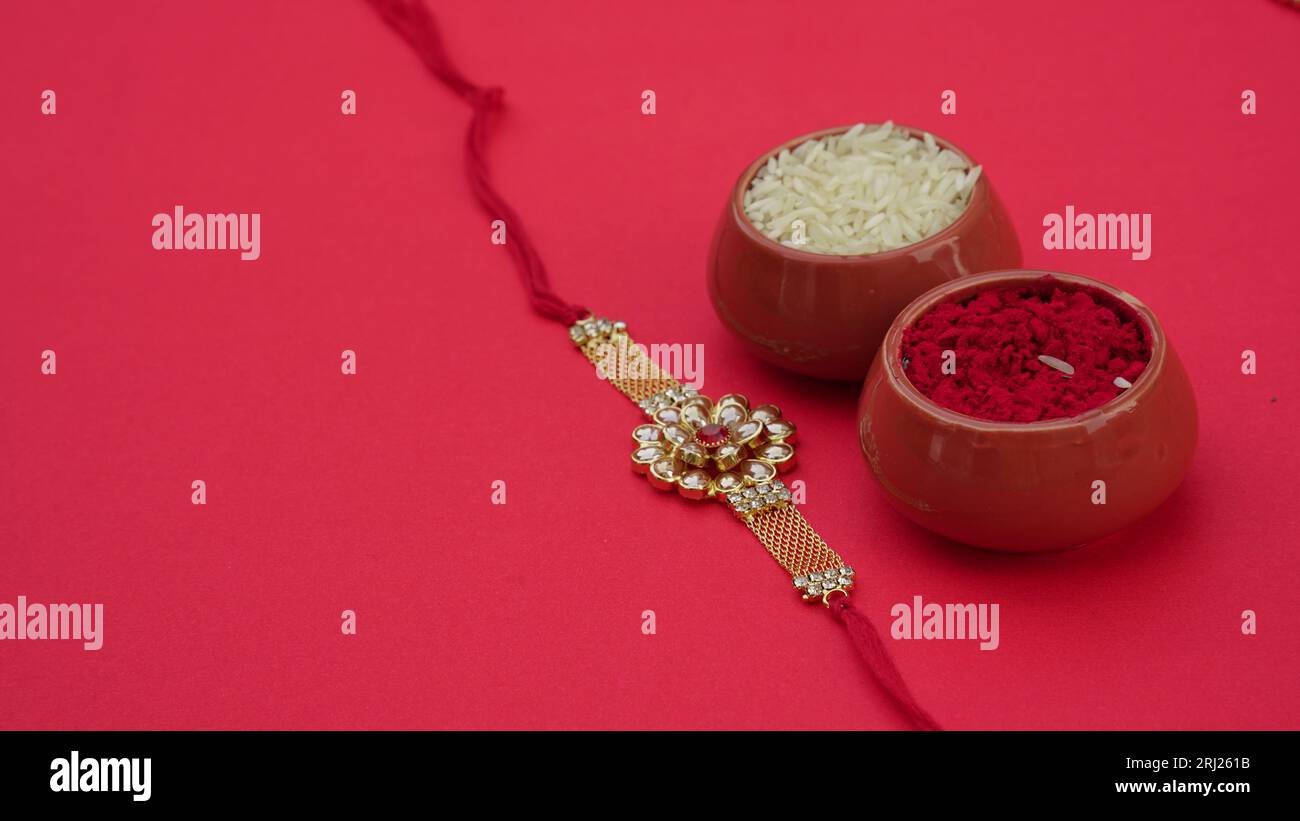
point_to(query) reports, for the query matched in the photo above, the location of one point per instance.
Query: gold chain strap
(792, 541)
(818, 571)
(624, 364)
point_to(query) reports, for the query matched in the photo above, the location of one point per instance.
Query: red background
(373, 492)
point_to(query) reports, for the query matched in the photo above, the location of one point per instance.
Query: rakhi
(725, 450)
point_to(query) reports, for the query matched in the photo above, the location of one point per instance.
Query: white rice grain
(868, 190)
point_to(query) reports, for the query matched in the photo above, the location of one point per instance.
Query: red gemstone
(712, 435)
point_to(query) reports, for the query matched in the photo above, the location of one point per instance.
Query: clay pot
(824, 315)
(1027, 487)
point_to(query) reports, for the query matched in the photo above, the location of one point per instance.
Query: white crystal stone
(695, 480)
(695, 416)
(728, 481)
(667, 416)
(779, 428)
(800, 581)
(729, 415)
(667, 469)
(676, 434)
(756, 470)
(776, 452)
(730, 452)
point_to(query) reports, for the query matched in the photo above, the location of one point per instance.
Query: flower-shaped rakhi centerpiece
(726, 450)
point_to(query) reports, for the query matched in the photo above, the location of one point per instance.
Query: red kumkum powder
(998, 336)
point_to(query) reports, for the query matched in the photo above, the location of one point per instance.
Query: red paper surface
(373, 492)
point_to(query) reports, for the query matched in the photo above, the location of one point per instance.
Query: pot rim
(978, 201)
(969, 286)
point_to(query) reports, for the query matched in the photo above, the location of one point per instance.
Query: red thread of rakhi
(411, 20)
(416, 25)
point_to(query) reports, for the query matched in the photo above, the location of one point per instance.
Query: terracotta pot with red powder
(1027, 411)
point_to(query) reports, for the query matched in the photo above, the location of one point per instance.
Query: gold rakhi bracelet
(726, 451)
(733, 453)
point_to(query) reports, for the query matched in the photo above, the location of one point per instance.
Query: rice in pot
(868, 190)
